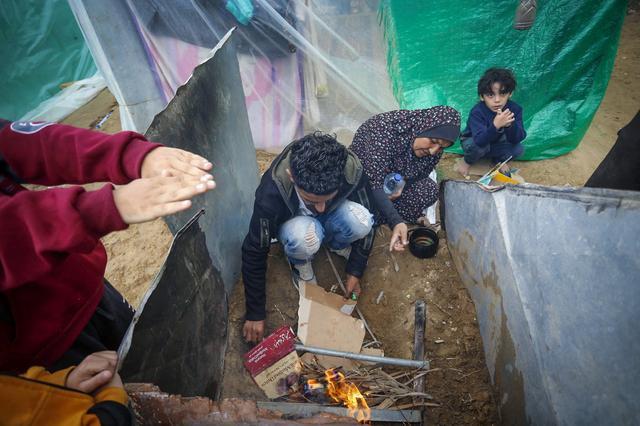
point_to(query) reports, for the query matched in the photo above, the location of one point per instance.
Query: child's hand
(146, 199)
(503, 119)
(96, 370)
(175, 162)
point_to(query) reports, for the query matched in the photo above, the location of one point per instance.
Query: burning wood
(376, 387)
(333, 387)
(347, 393)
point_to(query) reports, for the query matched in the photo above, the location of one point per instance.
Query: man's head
(496, 87)
(317, 163)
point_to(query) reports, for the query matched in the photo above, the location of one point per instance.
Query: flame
(314, 384)
(348, 394)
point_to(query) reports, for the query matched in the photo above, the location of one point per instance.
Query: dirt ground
(459, 381)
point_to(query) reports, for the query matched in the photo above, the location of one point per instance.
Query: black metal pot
(423, 242)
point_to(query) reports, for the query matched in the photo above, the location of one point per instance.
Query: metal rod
(306, 410)
(344, 290)
(361, 357)
(418, 340)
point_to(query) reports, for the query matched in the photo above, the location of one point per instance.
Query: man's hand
(146, 199)
(503, 119)
(352, 285)
(399, 237)
(253, 331)
(175, 162)
(96, 370)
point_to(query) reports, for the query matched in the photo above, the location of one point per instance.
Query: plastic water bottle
(393, 184)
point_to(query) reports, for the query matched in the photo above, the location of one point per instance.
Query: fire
(313, 384)
(348, 394)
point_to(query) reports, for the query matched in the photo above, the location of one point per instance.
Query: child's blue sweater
(480, 125)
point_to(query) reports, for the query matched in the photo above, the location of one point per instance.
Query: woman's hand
(399, 237)
(395, 196)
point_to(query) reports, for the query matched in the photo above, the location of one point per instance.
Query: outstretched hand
(95, 371)
(399, 237)
(175, 162)
(146, 199)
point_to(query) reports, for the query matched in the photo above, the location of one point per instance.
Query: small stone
(438, 341)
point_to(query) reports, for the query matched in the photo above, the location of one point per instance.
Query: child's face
(496, 100)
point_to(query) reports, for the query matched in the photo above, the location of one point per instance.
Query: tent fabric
(439, 49)
(41, 48)
(305, 65)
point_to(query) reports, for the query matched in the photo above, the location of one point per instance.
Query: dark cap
(447, 132)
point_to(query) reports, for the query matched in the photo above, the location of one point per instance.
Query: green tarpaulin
(438, 49)
(41, 46)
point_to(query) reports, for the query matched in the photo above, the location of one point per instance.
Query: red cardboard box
(274, 364)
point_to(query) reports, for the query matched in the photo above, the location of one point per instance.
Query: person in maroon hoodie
(55, 306)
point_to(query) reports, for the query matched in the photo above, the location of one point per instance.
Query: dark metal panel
(178, 336)
(208, 116)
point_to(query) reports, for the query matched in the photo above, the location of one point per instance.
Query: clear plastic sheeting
(305, 64)
(562, 62)
(41, 48)
(68, 100)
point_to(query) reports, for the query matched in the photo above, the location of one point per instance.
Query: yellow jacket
(40, 398)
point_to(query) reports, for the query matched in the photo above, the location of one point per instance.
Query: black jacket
(275, 203)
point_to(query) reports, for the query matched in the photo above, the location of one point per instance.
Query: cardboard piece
(274, 364)
(323, 322)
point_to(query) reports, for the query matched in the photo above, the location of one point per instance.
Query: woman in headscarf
(408, 142)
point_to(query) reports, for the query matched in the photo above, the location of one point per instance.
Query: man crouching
(314, 192)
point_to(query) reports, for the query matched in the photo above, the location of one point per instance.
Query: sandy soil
(459, 381)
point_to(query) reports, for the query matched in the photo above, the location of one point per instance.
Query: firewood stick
(418, 340)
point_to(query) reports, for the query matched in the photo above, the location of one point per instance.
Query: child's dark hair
(317, 163)
(497, 75)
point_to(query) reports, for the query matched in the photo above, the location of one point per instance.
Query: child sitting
(494, 127)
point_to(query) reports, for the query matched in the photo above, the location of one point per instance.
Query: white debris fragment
(379, 298)
(438, 341)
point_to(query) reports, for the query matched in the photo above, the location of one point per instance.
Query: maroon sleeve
(40, 228)
(54, 154)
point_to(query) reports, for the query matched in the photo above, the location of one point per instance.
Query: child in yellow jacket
(90, 394)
